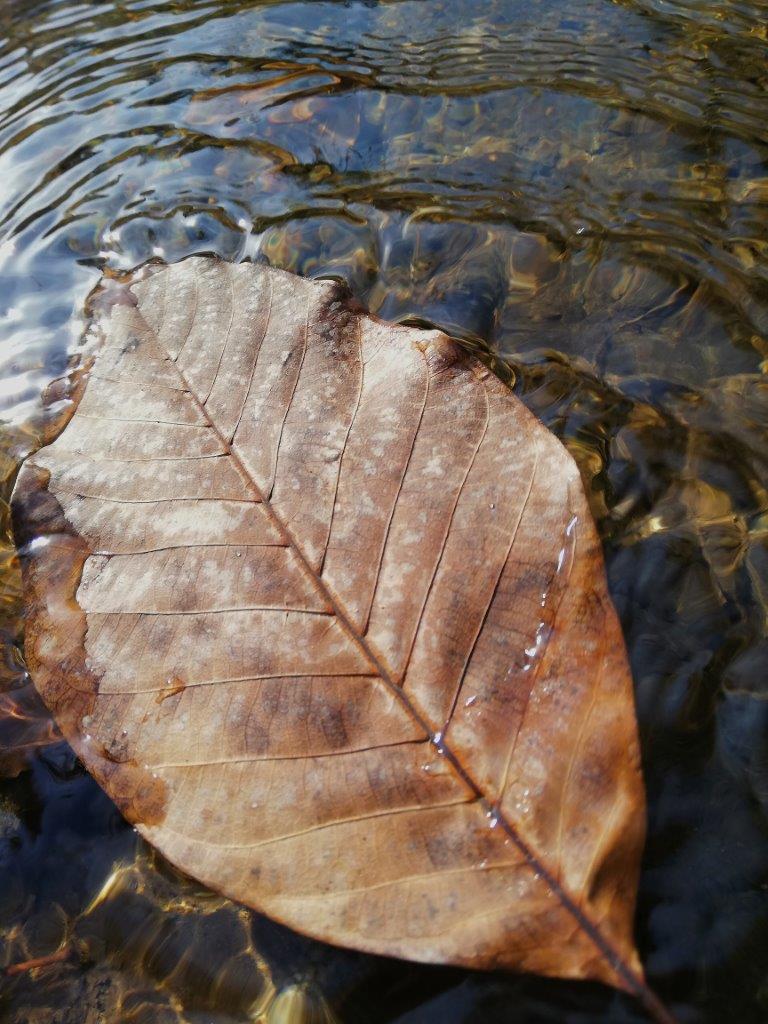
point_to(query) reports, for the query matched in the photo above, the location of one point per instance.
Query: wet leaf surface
(337, 661)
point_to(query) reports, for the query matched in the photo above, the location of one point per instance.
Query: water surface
(580, 191)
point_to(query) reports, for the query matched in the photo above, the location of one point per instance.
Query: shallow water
(579, 190)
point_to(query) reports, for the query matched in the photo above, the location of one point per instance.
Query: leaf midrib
(635, 983)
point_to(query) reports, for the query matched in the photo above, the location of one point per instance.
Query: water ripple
(578, 191)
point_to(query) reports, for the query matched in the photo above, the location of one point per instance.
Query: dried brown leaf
(322, 607)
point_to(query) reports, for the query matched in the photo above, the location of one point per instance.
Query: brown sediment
(38, 962)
